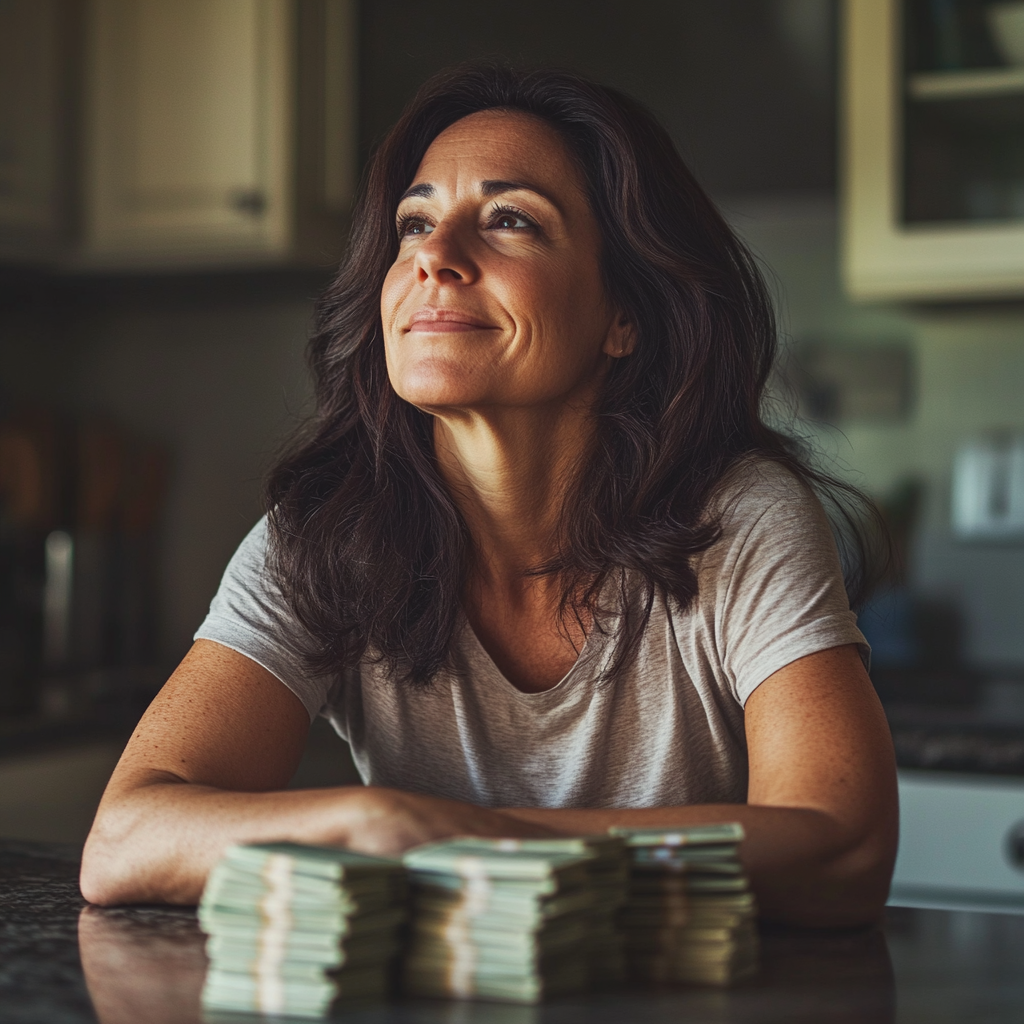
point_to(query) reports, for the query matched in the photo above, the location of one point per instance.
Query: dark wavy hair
(366, 542)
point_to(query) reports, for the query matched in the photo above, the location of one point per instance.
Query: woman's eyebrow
(421, 191)
(424, 190)
(497, 188)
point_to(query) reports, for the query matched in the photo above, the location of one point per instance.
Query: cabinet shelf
(933, 175)
(957, 85)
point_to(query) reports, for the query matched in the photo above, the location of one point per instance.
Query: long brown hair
(367, 544)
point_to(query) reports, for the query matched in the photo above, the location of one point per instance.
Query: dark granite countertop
(62, 962)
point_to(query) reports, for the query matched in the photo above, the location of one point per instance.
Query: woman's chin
(437, 400)
(434, 392)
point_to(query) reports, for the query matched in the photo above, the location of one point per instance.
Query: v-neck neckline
(593, 647)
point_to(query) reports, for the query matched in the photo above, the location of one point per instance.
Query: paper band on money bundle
(501, 919)
(295, 929)
(690, 915)
(608, 881)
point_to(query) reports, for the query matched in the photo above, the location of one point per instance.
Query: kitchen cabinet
(932, 150)
(188, 122)
(31, 122)
(207, 133)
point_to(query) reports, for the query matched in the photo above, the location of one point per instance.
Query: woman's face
(496, 298)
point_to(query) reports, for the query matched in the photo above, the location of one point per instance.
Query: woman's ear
(621, 339)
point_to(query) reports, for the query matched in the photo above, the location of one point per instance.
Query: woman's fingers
(386, 822)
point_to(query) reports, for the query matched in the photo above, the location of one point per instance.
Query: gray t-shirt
(669, 731)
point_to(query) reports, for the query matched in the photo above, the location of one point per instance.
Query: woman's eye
(412, 226)
(511, 220)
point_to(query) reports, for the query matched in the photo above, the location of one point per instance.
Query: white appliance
(988, 489)
(961, 842)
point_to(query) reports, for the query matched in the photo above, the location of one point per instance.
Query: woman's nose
(443, 258)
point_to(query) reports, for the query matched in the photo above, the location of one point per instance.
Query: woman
(537, 556)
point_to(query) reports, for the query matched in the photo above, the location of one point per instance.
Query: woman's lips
(444, 321)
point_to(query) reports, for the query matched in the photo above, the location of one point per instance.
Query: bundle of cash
(296, 929)
(690, 915)
(608, 880)
(502, 919)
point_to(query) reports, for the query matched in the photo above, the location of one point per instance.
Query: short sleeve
(779, 592)
(250, 615)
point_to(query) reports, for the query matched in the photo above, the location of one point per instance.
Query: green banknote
(313, 861)
(727, 833)
(469, 860)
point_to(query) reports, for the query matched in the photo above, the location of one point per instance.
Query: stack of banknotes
(690, 915)
(295, 929)
(509, 920)
(608, 867)
(608, 880)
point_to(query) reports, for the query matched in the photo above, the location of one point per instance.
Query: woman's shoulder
(771, 588)
(250, 615)
(248, 595)
(250, 557)
(769, 521)
(756, 486)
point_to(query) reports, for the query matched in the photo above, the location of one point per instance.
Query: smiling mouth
(446, 321)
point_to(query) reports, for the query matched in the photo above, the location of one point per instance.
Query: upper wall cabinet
(188, 129)
(933, 149)
(32, 208)
(208, 133)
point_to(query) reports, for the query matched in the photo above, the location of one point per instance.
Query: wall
(970, 377)
(744, 86)
(221, 383)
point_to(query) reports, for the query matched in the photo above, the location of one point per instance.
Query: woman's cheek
(392, 293)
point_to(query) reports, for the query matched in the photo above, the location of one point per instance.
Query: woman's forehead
(505, 145)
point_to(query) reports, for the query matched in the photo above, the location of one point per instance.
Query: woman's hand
(387, 822)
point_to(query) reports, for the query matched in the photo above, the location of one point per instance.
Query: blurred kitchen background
(175, 181)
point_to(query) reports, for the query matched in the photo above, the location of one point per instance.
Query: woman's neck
(509, 472)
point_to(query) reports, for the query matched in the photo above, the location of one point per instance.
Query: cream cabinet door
(30, 128)
(886, 254)
(188, 134)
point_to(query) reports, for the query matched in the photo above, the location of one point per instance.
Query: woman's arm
(201, 769)
(205, 768)
(822, 813)
(821, 817)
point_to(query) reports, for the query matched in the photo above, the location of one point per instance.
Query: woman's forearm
(157, 842)
(805, 867)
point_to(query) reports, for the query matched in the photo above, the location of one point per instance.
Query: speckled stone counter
(62, 962)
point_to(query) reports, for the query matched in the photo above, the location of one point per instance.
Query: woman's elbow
(98, 878)
(862, 875)
(98, 884)
(851, 890)
(113, 860)
(842, 883)
(105, 876)
(853, 900)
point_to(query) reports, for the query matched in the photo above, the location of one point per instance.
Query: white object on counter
(988, 489)
(961, 842)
